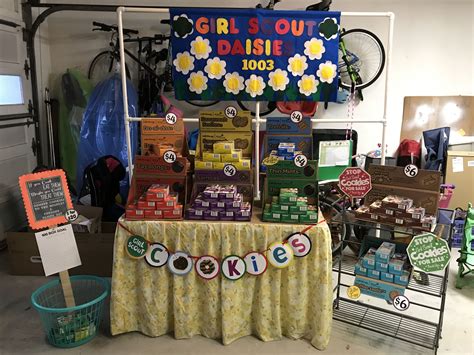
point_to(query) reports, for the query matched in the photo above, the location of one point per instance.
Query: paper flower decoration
(182, 26)
(200, 48)
(254, 85)
(327, 72)
(184, 62)
(197, 82)
(233, 83)
(297, 65)
(314, 48)
(308, 85)
(215, 68)
(278, 79)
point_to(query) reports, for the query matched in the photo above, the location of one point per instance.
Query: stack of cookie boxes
(384, 264)
(288, 207)
(223, 153)
(156, 203)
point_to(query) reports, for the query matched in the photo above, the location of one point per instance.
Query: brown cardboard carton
(96, 251)
(93, 215)
(154, 126)
(217, 121)
(394, 176)
(158, 135)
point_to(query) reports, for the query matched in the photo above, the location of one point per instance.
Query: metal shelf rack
(385, 320)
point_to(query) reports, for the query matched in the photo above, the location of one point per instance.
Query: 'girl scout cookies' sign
(255, 54)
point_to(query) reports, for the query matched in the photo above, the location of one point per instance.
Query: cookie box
(373, 274)
(194, 214)
(210, 215)
(134, 213)
(223, 147)
(153, 214)
(384, 252)
(211, 157)
(231, 157)
(226, 215)
(271, 217)
(143, 204)
(290, 218)
(402, 279)
(310, 217)
(202, 165)
(378, 288)
(395, 266)
(386, 276)
(397, 202)
(382, 267)
(360, 269)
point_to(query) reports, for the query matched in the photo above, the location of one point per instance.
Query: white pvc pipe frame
(258, 119)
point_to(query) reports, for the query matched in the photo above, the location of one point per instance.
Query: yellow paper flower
(184, 62)
(308, 84)
(297, 65)
(197, 82)
(233, 83)
(314, 48)
(327, 72)
(278, 79)
(200, 48)
(254, 85)
(215, 68)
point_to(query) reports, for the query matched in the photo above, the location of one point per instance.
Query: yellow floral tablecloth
(295, 302)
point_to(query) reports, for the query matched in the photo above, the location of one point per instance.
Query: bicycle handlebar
(107, 28)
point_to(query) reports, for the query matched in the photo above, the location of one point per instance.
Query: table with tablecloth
(295, 302)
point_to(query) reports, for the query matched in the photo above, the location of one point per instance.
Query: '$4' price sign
(230, 170)
(300, 160)
(169, 156)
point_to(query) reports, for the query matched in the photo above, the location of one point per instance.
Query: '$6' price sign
(230, 170)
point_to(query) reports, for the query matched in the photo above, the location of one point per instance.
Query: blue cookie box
(373, 274)
(402, 279)
(385, 276)
(382, 267)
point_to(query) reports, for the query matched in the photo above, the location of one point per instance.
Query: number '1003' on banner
(255, 54)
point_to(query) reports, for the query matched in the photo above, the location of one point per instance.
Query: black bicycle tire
(262, 113)
(96, 59)
(197, 104)
(382, 66)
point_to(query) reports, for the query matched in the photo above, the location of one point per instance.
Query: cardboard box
(218, 121)
(377, 288)
(385, 276)
(284, 125)
(150, 165)
(218, 176)
(360, 269)
(178, 184)
(394, 176)
(303, 143)
(159, 126)
(288, 170)
(96, 251)
(305, 188)
(92, 224)
(373, 274)
(382, 267)
(242, 140)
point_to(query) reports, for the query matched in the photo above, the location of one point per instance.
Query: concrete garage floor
(21, 331)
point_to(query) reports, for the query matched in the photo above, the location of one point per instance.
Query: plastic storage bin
(68, 327)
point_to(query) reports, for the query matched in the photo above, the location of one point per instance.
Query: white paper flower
(233, 83)
(254, 85)
(197, 82)
(297, 65)
(327, 72)
(278, 79)
(200, 48)
(314, 48)
(184, 62)
(215, 68)
(308, 84)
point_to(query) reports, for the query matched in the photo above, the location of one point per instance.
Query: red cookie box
(133, 213)
(175, 213)
(143, 204)
(397, 202)
(153, 214)
(168, 204)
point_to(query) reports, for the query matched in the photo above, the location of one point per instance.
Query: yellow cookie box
(211, 157)
(234, 156)
(243, 164)
(223, 147)
(218, 165)
(202, 165)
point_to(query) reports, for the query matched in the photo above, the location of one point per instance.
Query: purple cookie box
(211, 215)
(194, 214)
(226, 216)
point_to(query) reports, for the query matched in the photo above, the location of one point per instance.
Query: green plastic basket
(67, 327)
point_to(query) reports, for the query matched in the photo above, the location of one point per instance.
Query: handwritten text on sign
(255, 54)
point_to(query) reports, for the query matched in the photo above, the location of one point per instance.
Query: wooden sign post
(46, 198)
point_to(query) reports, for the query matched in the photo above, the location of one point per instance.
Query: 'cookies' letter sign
(46, 198)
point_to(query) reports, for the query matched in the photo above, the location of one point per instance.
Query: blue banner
(255, 54)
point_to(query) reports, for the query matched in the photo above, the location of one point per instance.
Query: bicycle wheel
(266, 107)
(102, 65)
(365, 54)
(198, 103)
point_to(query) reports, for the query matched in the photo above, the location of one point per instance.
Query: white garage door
(16, 155)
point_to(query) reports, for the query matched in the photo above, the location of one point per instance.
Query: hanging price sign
(296, 116)
(411, 170)
(169, 156)
(171, 118)
(401, 303)
(300, 160)
(230, 112)
(230, 170)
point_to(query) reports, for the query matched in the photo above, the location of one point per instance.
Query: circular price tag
(207, 267)
(300, 160)
(180, 263)
(353, 292)
(411, 170)
(233, 267)
(157, 255)
(71, 215)
(171, 118)
(296, 116)
(136, 246)
(229, 170)
(169, 156)
(300, 243)
(230, 112)
(401, 303)
(256, 263)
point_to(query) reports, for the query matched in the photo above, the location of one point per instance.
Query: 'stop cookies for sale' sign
(255, 54)
(46, 198)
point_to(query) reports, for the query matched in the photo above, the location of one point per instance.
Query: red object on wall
(355, 182)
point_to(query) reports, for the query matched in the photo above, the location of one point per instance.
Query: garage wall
(432, 53)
